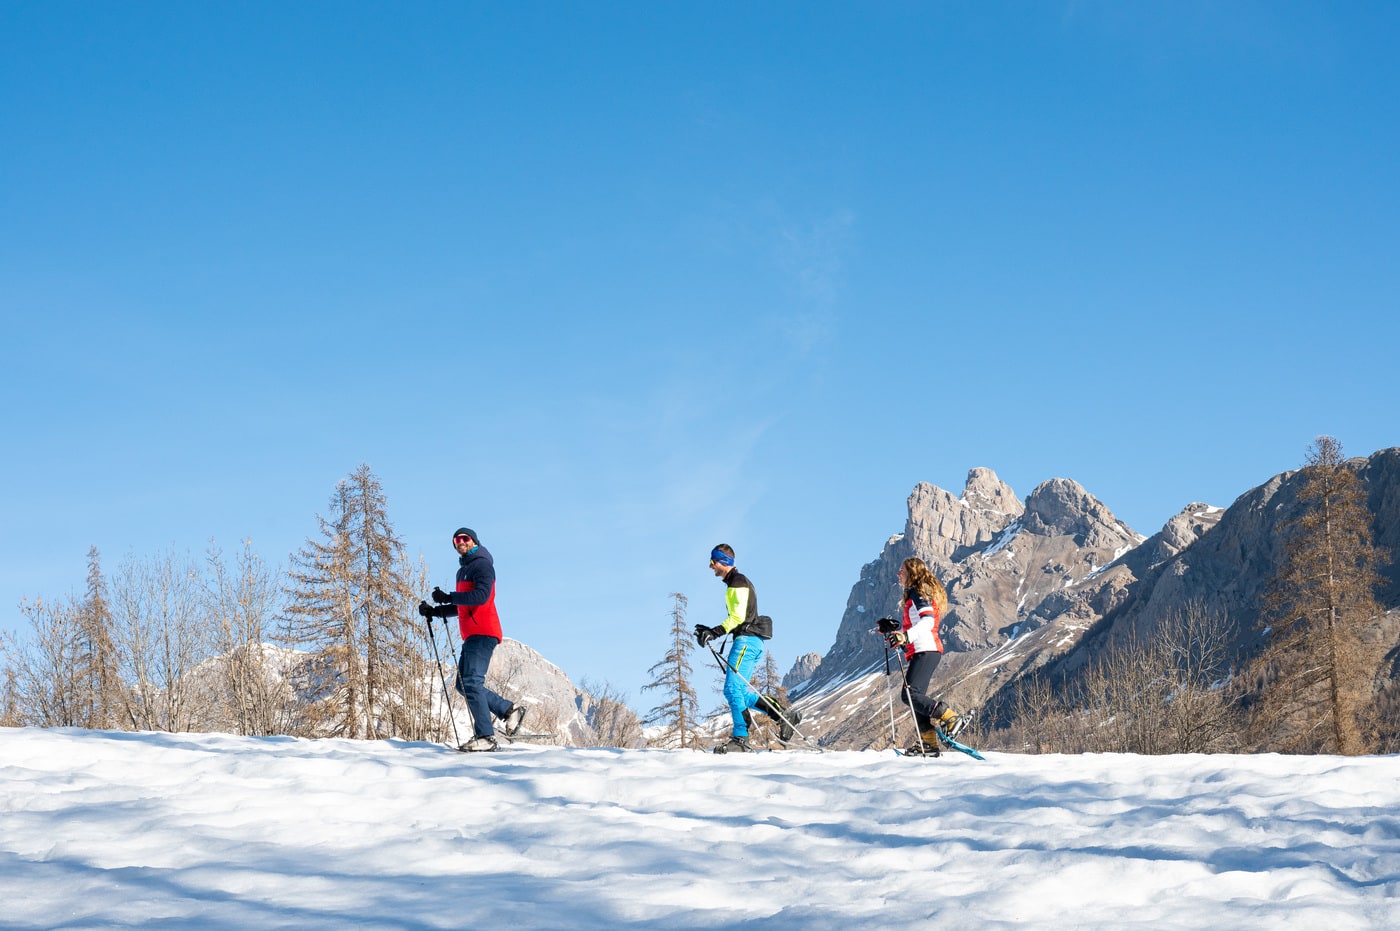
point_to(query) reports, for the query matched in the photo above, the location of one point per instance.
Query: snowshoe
(735, 745)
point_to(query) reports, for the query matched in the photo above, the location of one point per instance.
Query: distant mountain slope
(1050, 582)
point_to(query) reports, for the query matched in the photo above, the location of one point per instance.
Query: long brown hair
(920, 580)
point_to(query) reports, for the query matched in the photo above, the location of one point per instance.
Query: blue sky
(614, 283)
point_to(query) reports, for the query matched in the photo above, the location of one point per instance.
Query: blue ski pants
(742, 661)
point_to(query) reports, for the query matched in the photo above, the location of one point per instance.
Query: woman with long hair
(925, 605)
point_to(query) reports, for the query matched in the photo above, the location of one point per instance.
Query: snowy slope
(212, 831)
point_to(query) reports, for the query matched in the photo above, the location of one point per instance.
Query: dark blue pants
(471, 682)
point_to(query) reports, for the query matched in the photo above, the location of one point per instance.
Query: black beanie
(466, 531)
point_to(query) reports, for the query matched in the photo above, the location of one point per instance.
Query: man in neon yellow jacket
(750, 630)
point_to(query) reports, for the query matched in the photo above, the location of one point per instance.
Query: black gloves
(704, 635)
(896, 639)
(888, 625)
(432, 611)
(441, 597)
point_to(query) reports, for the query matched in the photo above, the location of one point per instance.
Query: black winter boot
(786, 715)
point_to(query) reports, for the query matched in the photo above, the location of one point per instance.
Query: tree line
(331, 647)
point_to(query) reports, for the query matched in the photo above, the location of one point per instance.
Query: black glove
(426, 610)
(440, 596)
(888, 625)
(704, 635)
(896, 639)
(444, 610)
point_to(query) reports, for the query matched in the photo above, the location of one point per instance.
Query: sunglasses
(461, 538)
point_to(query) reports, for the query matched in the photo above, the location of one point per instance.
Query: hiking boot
(511, 723)
(735, 745)
(787, 723)
(922, 748)
(785, 715)
(479, 745)
(951, 723)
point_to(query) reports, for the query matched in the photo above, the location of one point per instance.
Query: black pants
(916, 681)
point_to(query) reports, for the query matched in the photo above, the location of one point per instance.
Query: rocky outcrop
(942, 530)
(802, 670)
(1025, 580)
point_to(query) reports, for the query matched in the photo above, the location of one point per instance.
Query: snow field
(109, 829)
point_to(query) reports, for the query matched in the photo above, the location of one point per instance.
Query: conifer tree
(679, 710)
(99, 679)
(65, 673)
(350, 603)
(1315, 670)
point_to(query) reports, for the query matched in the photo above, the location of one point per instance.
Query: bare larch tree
(679, 709)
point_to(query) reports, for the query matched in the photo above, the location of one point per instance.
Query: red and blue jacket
(475, 598)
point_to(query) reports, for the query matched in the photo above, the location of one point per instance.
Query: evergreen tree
(100, 682)
(1315, 671)
(679, 711)
(350, 604)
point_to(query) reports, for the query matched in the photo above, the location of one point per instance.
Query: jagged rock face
(1380, 474)
(1025, 582)
(802, 670)
(940, 529)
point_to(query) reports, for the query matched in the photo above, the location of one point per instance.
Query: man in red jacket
(474, 603)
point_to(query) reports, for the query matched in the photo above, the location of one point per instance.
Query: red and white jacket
(921, 620)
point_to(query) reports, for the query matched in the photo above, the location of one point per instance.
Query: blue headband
(721, 557)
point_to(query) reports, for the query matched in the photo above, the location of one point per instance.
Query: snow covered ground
(102, 830)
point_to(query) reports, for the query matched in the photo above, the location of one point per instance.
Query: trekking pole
(724, 664)
(889, 695)
(457, 669)
(447, 696)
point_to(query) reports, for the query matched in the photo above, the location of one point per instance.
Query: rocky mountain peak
(941, 526)
(1061, 507)
(984, 491)
(1000, 559)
